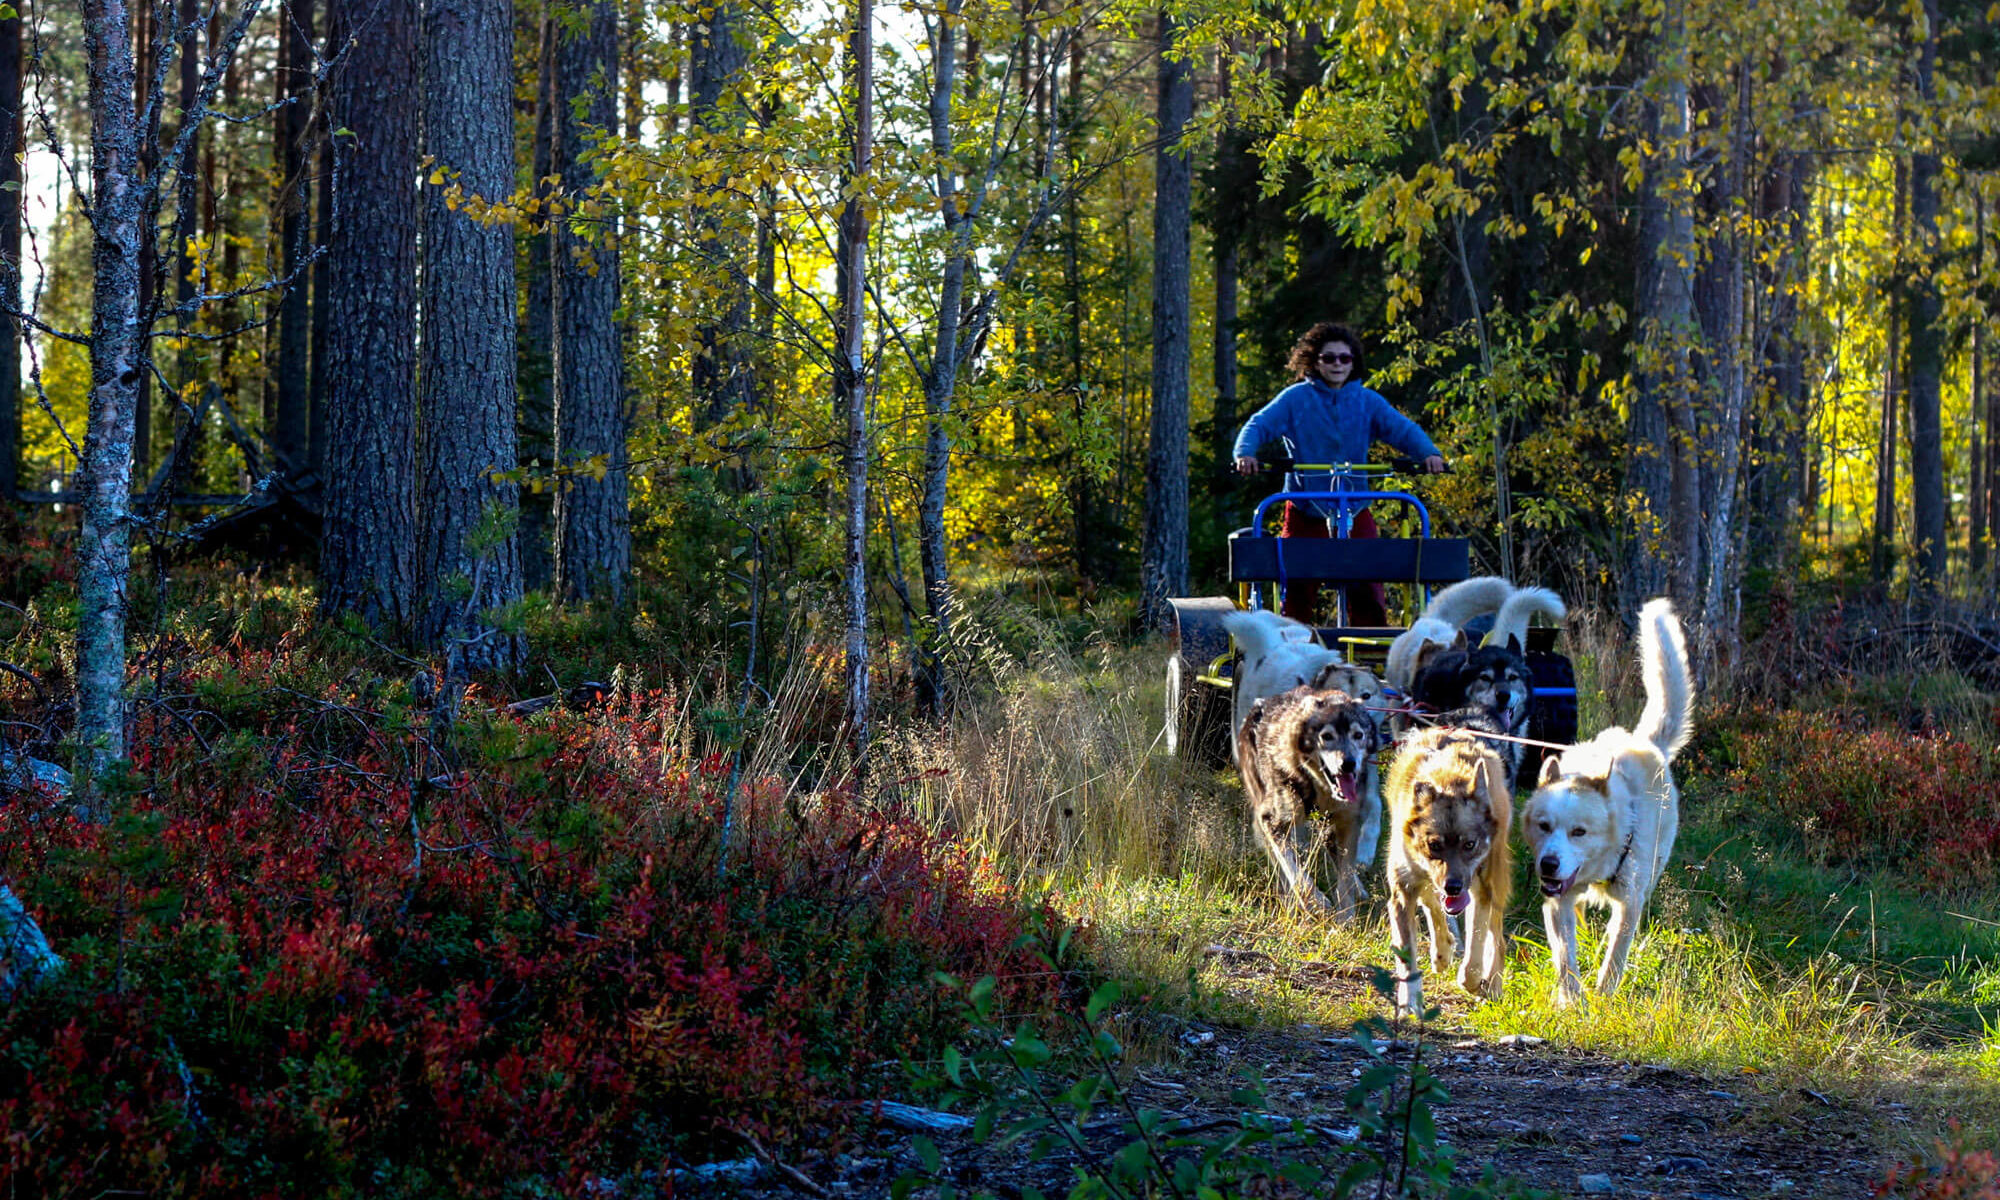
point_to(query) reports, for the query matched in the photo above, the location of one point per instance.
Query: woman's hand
(1246, 465)
(1433, 464)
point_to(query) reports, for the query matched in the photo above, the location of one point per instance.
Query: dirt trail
(1570, 1123)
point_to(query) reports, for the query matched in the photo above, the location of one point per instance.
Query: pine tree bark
(367, 559)
(1926, 336)
(593, 529)
(116, 365)
(323, 202)
(468, 560)
(536, 423)
(288, 410)
(1165, 545)
(12, 131)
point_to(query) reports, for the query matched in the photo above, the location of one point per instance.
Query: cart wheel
(1197, 718)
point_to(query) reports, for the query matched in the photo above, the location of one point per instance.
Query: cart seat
(1430, 561)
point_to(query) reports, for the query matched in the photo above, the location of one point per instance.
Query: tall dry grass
(1053, 761)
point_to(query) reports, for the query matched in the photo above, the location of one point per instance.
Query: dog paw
(1410, 996)
(1484, 987)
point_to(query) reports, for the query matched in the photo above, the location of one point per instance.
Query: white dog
(1279, 654)
(1606, 811)
(1442, 625)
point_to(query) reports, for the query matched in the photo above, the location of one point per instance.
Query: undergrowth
(319, 953)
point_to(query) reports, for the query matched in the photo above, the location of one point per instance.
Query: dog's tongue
(1347, 790)
(1456, 904)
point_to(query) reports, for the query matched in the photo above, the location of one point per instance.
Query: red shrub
(1926, 804)
(294, 974)
(1955, 1174)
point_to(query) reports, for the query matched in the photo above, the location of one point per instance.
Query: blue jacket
(1325, 425)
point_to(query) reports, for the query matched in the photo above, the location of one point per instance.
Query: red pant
(1367, 603)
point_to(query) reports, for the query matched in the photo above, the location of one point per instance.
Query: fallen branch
(922, 1120)
(789, 1173)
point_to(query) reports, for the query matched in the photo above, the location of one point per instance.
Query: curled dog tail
(1513, 619)
(1438, 627)
(1469, 598)
(1663, 661)
(1259, 631)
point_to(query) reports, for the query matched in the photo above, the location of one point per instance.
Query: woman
(1328, 417)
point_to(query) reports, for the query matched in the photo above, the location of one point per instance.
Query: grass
(1753, 963)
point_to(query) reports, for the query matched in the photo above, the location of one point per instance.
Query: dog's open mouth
(1556, 887)
(1349, 790)
(1456, 904)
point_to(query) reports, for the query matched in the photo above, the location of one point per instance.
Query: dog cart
(1202, 662)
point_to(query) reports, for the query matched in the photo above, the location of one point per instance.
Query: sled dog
(1279, 654)
(1496, 674)
(1442, 625)
(1303, 752)
(1450, 811)
(1600, 826)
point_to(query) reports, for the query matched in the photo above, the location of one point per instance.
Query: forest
(584, 585)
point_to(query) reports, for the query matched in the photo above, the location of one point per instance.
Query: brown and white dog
(1305, 751)
(1449, 814)
(1279, 654)
(1602, 822)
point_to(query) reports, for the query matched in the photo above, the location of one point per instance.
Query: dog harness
(1622, 856)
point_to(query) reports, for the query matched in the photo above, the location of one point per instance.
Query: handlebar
(1395, 466)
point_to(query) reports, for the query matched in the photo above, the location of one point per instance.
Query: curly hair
(1304, 361)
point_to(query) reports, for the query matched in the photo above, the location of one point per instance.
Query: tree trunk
(1926, 336)
(323, 196)
(1086, 537)
(143, 57)
(1165, 546)
(941, 380)
(187, 203)
(1777, 492)
(218, 224)
(853, 378)
(367, 560)
(1664, 323)
(1882, 545)
(593, 529)
(1732, 351)
(468, 559)
(721, 374)
(116, 363)
(288, 412)
(1982, 422)
(536, 423)
(13, 130)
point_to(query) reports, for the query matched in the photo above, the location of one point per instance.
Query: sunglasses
(1337, 356)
